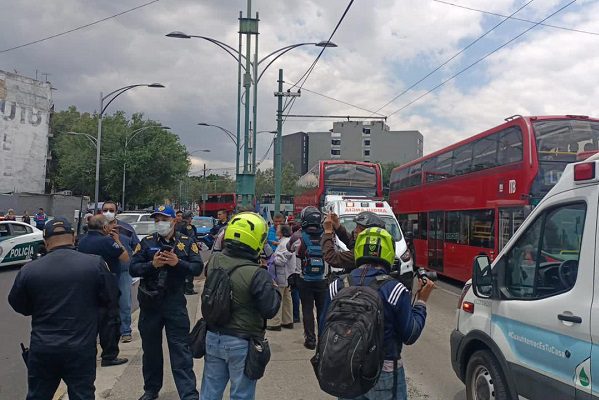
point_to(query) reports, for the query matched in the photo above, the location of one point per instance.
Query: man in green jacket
(255, 299)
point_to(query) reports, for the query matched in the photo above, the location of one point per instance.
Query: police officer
(187, 229)
(163, 260)
(62, 292)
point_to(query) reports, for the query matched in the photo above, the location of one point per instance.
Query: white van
(528, 324)
(347, 207)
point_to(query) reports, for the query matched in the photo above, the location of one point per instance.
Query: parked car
(19, 242)
(134, 217)
(143, 228)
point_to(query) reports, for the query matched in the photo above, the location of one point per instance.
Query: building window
(366, 153)
(336, 152)
(366, 142)
(366, 131)
(336, 142)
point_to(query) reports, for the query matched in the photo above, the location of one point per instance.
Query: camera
(425, 275)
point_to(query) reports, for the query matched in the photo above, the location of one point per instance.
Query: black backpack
(217, 296)
(350, 353)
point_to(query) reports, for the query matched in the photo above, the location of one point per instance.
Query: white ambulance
(347, 207)
(528, 324)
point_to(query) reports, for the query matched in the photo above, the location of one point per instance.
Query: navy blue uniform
(162, 305)
(63, 293)
(190, 231)
(110, 320)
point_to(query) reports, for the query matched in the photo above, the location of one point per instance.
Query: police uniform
(63, 292)
(162, 305)
(190, 231)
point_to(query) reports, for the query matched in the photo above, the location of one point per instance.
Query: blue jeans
(224, 361)
(125, 282)
(383, 390)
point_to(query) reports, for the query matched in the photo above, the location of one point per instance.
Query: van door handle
(569, 318)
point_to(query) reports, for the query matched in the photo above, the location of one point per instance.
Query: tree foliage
(265, 181)
(154, 158)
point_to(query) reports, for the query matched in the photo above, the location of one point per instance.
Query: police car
(528, 323)
(18, 242)
(347, 207)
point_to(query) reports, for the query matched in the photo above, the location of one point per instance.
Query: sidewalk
(289, 374)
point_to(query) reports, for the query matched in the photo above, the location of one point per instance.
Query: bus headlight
(405, 257)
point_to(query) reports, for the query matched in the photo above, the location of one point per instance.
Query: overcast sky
(384, 47)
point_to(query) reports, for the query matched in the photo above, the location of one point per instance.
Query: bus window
(485, 153)
(462, 162)
(510, 146)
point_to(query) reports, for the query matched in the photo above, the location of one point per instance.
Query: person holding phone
(163, 260)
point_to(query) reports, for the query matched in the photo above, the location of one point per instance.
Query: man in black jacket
(163, 260)
(63, 292)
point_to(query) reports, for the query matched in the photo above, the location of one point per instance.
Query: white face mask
(110, 216)
(163, 228)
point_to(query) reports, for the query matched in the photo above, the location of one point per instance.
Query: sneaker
(310, 345)
(287, 326)
(126, 339)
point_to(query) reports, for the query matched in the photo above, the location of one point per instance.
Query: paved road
(428, 363)
(14, 329)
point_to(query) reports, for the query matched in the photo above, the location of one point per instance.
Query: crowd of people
(258, 278)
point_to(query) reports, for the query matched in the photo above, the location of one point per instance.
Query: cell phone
(166, 248)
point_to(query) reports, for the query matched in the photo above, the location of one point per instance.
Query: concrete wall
(319, 147)
(24, 122)
(55, 205)
(295, 151)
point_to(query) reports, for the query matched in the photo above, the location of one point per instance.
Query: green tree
(386, 169)
(155, 160)
(265, 181)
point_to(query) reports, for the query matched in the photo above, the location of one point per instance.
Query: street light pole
(115, 93)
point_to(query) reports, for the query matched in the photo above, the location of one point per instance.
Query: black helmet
(311, 216)
(368, 219)
(188, 215)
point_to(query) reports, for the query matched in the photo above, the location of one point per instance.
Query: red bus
(338, 177)
(469, 198)
(216, 202)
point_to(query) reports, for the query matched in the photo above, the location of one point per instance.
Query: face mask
(109, 215)
(163, 227)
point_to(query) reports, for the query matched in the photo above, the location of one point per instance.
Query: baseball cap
(57, 226)
(167, 211)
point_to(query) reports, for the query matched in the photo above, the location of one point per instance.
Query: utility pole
(279, 140)
(246, 180)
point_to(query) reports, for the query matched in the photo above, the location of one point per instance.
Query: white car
(143, 228)
(18, 242)
(135, 217)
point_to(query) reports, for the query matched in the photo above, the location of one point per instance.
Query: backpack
(217, 296)
(350, 352)
(313, 267)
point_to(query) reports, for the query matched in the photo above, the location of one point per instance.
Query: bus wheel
(484, 379)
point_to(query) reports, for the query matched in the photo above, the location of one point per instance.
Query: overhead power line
(480, 59)
(334, 99)
(515, 18)
(406, 90)
(79, 27)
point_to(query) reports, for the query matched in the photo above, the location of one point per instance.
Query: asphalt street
(14, 329)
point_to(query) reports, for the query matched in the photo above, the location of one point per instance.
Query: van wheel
(484, 378)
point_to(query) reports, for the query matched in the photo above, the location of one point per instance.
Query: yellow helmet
(374, 245)
(247, 229)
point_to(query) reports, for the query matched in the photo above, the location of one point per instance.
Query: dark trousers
(295, 300)
(76, 368)
(109, 330)
(312, 293)
(171, 315)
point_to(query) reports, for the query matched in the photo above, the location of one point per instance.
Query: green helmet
(247, 229)
(374, 245)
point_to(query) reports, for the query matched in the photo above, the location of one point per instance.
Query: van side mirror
(482, 280)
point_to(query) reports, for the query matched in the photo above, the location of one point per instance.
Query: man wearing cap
(185, 227)
(64, 320)
(333, 227)
(103, 240)
(163, 260)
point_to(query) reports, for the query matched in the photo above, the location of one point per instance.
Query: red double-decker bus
(337, 177)
(216, 202)
(469, 198)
